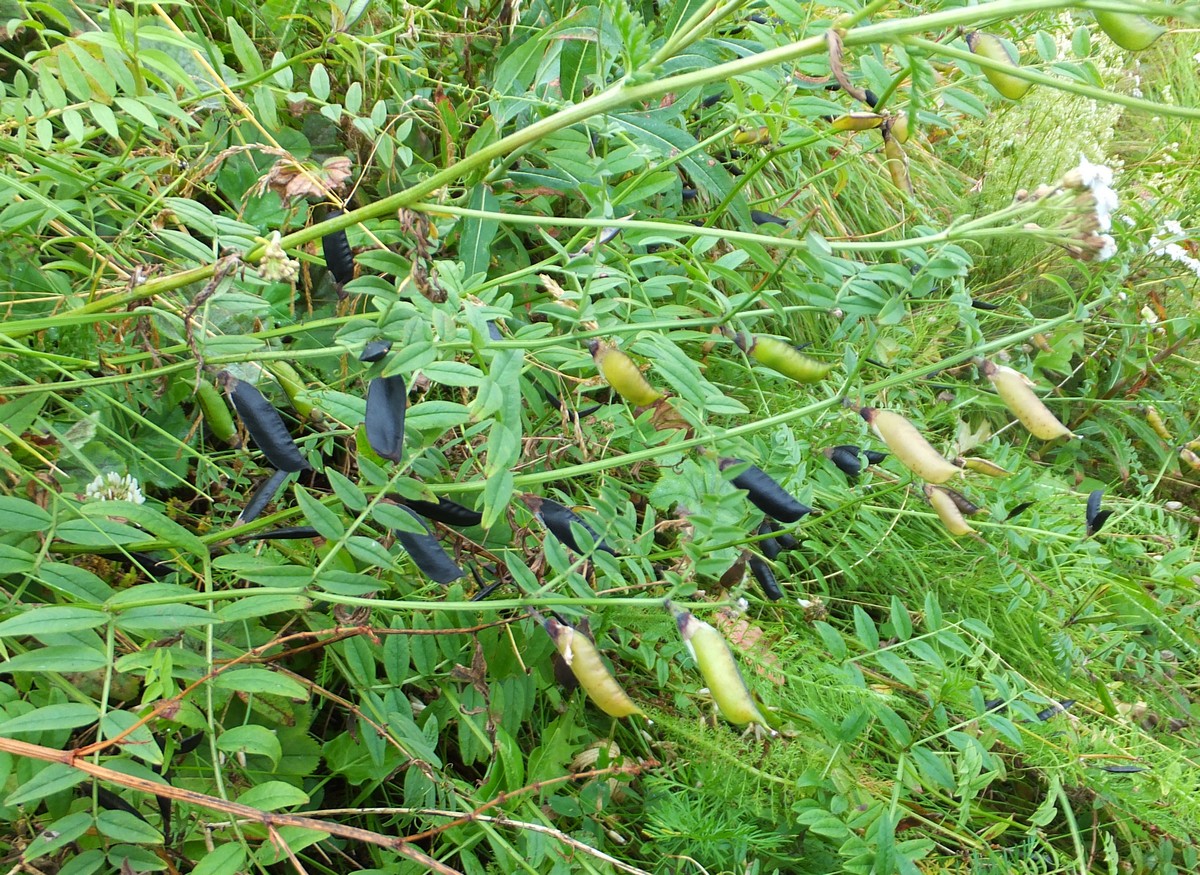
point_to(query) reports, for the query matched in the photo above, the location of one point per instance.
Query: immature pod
(427, 553)
(782, 357)
(947, 511)
(261, 497)
(897, 164)
(762, 572)
(387, 399)
(719, 669)
(293, 386)
(558, 519)
(987, 46)
(1156, 422)
(1015, 390)
(374, 350)
(857, 121)
(982, 466)
(445, 511)
(1129, 31)
(623, 375)
(339, 257)
(909, 446)
(1188, 455)
(582, 657)
(216, 413)
(765, 494)
(265, 426)
(1096, 517)
(897, 127)
(756, 137)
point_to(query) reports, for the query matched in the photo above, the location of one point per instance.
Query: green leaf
(51, 621)
(251, 739)
(901, 622)
(436, 416)
(60, 658)
(58, 834)
(159, 618)
(150, 519)
(139, 742)
(79, 583)
(123, 826)
(54, 778)
(496, 496)
(273, 795)
(227, 859)
(68, 715)
(98, 533)
(260, 680)
(321, 518)
(262, 606)
(475, 243)
(864, 629)
(710, 178)
(244, 48)
(19, 515)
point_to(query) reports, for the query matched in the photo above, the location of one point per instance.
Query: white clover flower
(1108, 248)
(275, 265)
(1172, 250)
(114, 487)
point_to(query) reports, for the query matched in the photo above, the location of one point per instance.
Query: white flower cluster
(1173, 250)
(275, 265)
(1097, 179)
(114, 487)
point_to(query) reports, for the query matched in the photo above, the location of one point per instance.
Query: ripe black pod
(265, 426)
(261, 497)
(446, 511)
(387, 399)
(770, 547)
(288, 533)
(427, 553)
(765, 494)
(1095, 516)
(557, 519)
(374, 350)
(339, 257)
(766, 578)
(759, 217)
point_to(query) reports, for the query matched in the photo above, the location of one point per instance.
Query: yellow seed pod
(781, 356)
(1016, 391)
(993, 49)
(719, 670)
(897, 164)
(909, 445)
(983, 466)
(582, 657)
(947, 510)
(757, 137)
(623, 375)
(1188, 455)
(857, 121)
(897, 127)
(1156, 422)
(1129, 31)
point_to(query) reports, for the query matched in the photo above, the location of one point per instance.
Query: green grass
(912, 677)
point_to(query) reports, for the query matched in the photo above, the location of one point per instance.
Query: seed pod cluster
(265, 426)
(761, 569)
(765, 494)
(582, 657)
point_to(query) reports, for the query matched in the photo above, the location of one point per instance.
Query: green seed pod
(623, 375)
(909, 445)
(294, 388)
(719, 670)
(1132, 32)
(216, 413)
(782, 357)
(582, 657)
(993, 49)
(948, 511)
(857, 121)
(1016, 391)
(897, 164)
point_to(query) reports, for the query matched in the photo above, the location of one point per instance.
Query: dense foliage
(361, 363)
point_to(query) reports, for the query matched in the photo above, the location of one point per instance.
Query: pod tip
(867, 413)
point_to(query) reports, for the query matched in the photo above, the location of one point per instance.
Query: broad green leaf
(93, 532)
(325, 521)
(79, 583)
(123, 826)
(58, 834)
(160, 618)
(475, 242)
(67, 715)
(54, 778)
(150, 519)
(51, 621)
(261, 606)
(139, 743)
(273, 795)
(19, 515)
(226, 859)
(437, 416)
(60, 658)
(260, 680)
(251, 739)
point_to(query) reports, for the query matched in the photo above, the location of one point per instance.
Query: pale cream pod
(948, 511)
(909, 445)
(582, 657)
(1016, 391)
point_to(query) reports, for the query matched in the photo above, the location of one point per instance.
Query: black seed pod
(761, 218)
(494, 330)
(765, 494)
(964, 504)
(374, 350)
(1095, 516)
(1123, 770)
(288, 533)
(387, 398)
(874, 457)
(769, 546)
(446, 511)
(1019, 509)
(983, 305)
(787, 541)
(339, 257)
(845, 457)
(265, 426)
(766, 578)
(1055, 709)
(557, 519)
(427, 553)
(261, 497)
